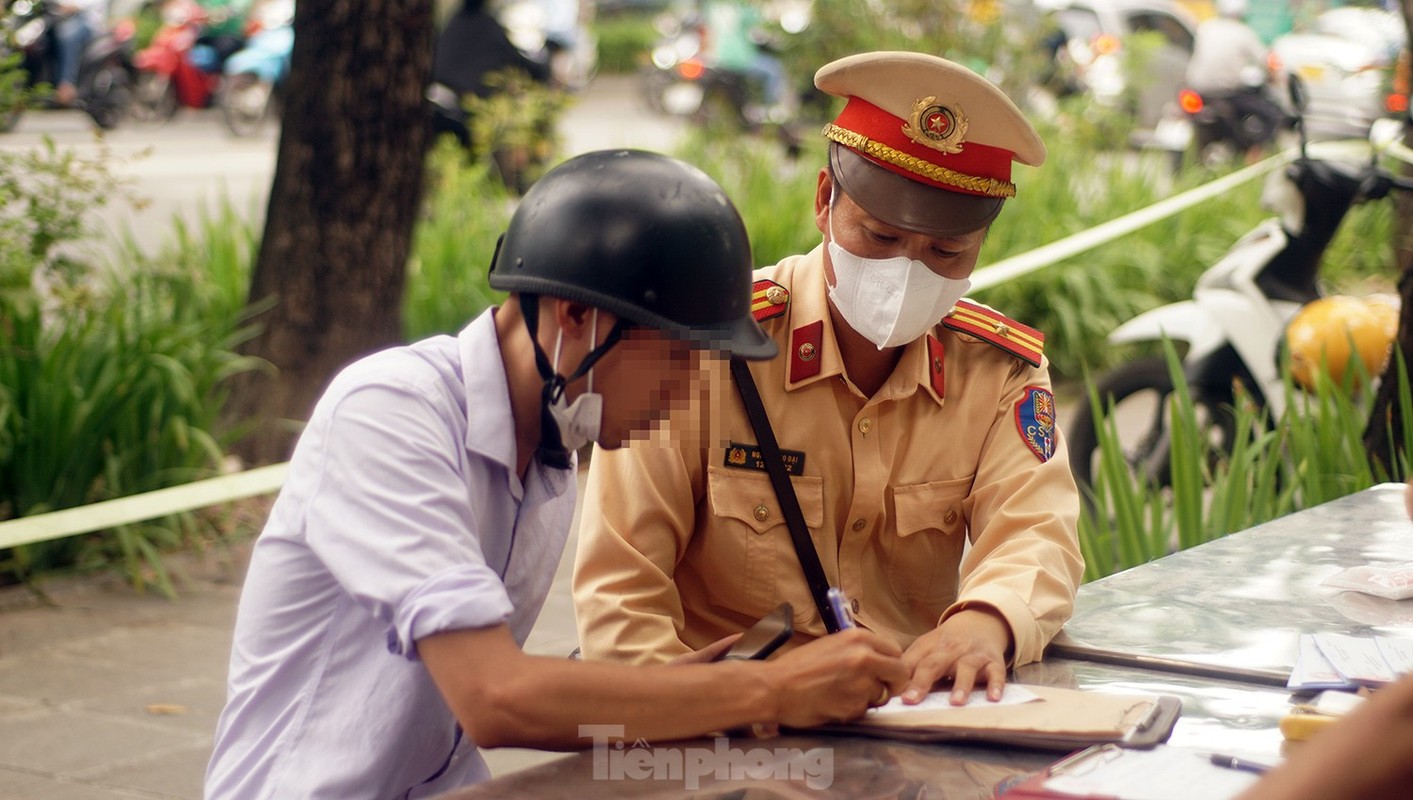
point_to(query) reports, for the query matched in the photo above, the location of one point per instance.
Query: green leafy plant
(465, 211)
(516, 126)
(624, 41)
(1313, 454)
(15, 92)
(112, 378)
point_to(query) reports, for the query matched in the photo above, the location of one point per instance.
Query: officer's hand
(835, 677)
(970, 648)
(709, 653)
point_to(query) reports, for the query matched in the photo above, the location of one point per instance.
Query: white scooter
(1233, 326)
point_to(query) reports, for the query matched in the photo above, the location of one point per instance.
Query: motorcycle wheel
(109, 96)
(1139, 392)
(245, 103)
(154, 99)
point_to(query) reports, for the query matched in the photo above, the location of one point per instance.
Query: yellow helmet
(1324, 329)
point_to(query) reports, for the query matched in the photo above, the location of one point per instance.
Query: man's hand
(836, 677)
(970, 648)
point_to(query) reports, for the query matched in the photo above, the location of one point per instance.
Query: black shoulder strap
(785, 493)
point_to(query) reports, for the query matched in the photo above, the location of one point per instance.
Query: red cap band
(976, 169)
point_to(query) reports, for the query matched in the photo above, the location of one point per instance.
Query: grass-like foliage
(111, 382)
(1311, 455)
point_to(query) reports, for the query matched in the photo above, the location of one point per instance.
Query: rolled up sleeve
(394, 521)
(468, 596)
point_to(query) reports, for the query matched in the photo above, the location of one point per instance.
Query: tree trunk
(346, 192)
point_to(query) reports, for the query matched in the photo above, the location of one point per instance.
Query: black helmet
(647, 237)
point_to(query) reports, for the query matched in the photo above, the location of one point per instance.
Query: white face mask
(889, 301)
(579, 422)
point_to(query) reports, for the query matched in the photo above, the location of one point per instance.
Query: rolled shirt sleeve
(393, 531)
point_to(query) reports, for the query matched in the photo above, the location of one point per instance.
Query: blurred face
(865, 235)
(646, 375)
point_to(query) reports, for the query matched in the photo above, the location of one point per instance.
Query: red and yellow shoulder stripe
(992, 327)
(768, 300)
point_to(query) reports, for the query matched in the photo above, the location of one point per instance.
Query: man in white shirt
(378, 640)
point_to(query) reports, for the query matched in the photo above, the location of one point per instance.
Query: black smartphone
(764, 637)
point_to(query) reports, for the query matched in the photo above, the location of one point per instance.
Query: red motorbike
(175, 71)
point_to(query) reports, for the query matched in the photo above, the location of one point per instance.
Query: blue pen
(839, 604)
(1232, 762)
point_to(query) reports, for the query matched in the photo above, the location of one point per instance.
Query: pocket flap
(933, 506)
(748, 497)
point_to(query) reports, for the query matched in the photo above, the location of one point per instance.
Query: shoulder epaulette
(992, 327)
(768, 300)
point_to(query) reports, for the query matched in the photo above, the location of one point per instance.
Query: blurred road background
(192, 161)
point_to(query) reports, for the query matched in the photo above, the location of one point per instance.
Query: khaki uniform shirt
(682, 541)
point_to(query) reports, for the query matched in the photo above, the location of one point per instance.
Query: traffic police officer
(377, 644)
(918, 428)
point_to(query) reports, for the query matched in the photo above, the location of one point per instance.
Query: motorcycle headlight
(29, 33)
(664, 57)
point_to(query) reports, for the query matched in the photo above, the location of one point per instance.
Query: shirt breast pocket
(923, 552)
(753, 562)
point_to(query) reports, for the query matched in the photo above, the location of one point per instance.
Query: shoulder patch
(1035, 421)
(768, 300)
(994, 328)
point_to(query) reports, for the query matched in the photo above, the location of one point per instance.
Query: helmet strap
(551, 450)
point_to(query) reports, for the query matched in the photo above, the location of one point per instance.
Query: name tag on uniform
(748, 456)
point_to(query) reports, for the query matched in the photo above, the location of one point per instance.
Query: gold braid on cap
(987, 186)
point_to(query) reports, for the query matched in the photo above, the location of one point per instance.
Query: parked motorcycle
(1226, 126)
(176, 70)
(1234, 326)
(106, 72)
(254, 76)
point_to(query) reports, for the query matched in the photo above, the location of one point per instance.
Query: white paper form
(1355, 658)
(1314, 671)
(941, 701)
(1163, 773)
(1397, 652)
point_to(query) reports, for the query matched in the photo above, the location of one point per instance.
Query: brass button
(950, 516)
(762, 513)
(807, 352)
(865, 425)
(854, 605)
(936, 365)
(776, 295)
(859, 525)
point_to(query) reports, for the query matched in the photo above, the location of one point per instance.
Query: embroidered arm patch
(1035, 421)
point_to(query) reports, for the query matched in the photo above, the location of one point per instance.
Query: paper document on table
(1354, 658)
(1397, 652)
(1055, 710)
(1044, 717)
(1313, 671)
(942, 701)
(1163, 773)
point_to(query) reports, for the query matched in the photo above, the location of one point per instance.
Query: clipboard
(1063, 721)
(1110, 772)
